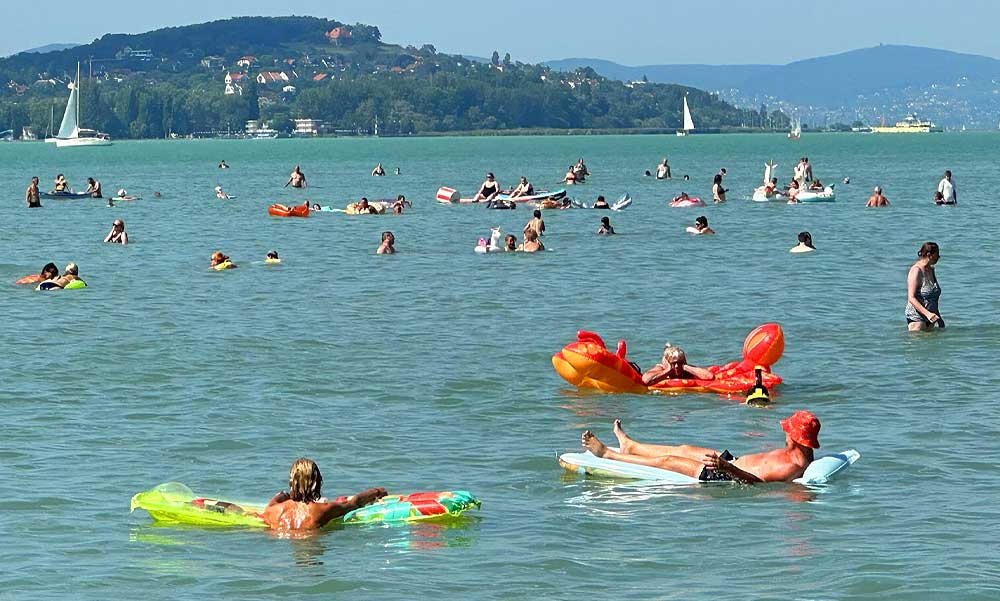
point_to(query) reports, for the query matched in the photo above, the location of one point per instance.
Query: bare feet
(592, 444)
(624, 442)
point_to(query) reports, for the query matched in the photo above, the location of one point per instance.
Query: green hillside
(173, 81)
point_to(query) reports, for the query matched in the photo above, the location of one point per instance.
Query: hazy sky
(631, 32)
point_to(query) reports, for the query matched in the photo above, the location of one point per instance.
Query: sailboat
(70, 133)
(796, 131)
(688, 122)
(49, 138)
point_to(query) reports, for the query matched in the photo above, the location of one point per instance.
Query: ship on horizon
(910, 125)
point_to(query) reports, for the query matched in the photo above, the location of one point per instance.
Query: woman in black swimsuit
(489, 189)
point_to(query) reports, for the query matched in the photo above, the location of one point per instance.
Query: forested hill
(174, 81)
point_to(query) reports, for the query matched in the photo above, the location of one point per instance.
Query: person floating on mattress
(303, 507)
(708, 465)
(674, 366)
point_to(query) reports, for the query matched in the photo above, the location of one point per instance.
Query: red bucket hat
(803, 427)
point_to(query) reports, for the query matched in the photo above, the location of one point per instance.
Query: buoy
(764, 345)
(445, 194)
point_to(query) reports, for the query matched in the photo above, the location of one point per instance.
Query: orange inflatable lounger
(286, 211)
(587, 363)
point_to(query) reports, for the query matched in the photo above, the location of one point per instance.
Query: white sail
(70, 127)
(797, 128)
(688, 122)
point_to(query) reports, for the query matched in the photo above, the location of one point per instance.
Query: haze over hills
(49, 48)
(951, 88)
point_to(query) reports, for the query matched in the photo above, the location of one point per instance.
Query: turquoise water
(430, 370)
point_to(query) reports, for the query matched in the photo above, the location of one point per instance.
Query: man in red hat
(780, 465)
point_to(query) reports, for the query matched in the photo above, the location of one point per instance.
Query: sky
(630, 32)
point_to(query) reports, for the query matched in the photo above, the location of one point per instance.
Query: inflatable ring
(279, 210)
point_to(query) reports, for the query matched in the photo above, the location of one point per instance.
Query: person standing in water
(536, 223)
(386, 246)
(303, 506)
(605, 229)
(923, 291)
(94, 188)
(663, 170)
(805, 244)
(877, 199)
(31, 195)
(718, 192)
(296, 178)
(947, 189)
(117, 234)
(378, 171)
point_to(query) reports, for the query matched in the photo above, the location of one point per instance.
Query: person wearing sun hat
(708, 465)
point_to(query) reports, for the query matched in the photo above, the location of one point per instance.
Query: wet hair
(702, 221)
(387, 235)
(530, 234)
(947, 173)
(927, 249)
(91, 181)
(605, 221)
(673, 353)
(50, 268)
(600, 198)
(717, 179)
(537, 213)
(647, 174)
(806, 238)
(272, 254)
(305, 482)
(400, 197)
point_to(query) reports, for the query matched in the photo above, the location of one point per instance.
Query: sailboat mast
(78, 92)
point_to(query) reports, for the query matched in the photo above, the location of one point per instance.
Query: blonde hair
(305, 482)
(673, 353)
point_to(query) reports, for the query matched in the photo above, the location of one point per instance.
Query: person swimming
(272, 257)
(531, 243)
(378, 171)
(223, 165)
(303, 506)
(805, 244)
(386, 247)
(220, 194)
(117, 234)
(509, 243)
(605, 229)
(701, 226)
(218, 259)
(600, 203)
(674, 366)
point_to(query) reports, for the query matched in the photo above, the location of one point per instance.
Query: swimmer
(220, 194)
(680, 197)
(386, 247)
(793, 193)
(303, 506)
(397, 207)
(70, 273)
(117, 234)
(272, 257)
(48, 273)
(93, 188)
(923, 291)
(846, 180)
(509, 243)
(605, 229)
(674, 366)
(536, 223)
(111, 203)
(663, 170)
(378, 171)
(316, 207)
(223, 165)
(32, 195)
(570, 178)
(647, 173)
(581, 172)
(686, 177)
(122, 194)
(489, 190)
(877, 199)
(218, 259)
(805, 244)
(156, 194)
(708, 465)
(296, 179)
(701, 226)
(600, 203)
(531, 243)
(718, 192)
(398, 172)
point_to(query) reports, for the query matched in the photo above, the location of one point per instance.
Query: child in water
(303, 507)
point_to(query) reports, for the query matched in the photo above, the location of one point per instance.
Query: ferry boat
(910, 125)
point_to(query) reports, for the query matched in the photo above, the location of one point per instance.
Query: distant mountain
(50, 48)
(949, 87)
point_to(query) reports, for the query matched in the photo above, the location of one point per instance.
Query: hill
(49, 48)
(952, 88)
(219, 75)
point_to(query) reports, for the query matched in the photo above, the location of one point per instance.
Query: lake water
(429, 370)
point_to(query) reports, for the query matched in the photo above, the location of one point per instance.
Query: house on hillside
(128, 52)
(233, 85)
(246, 61)
(213, 62)
(309, 127)
(340, 35)
(265, 78)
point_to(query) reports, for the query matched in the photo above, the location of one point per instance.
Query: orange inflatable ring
(587, 363)
(286, 211)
